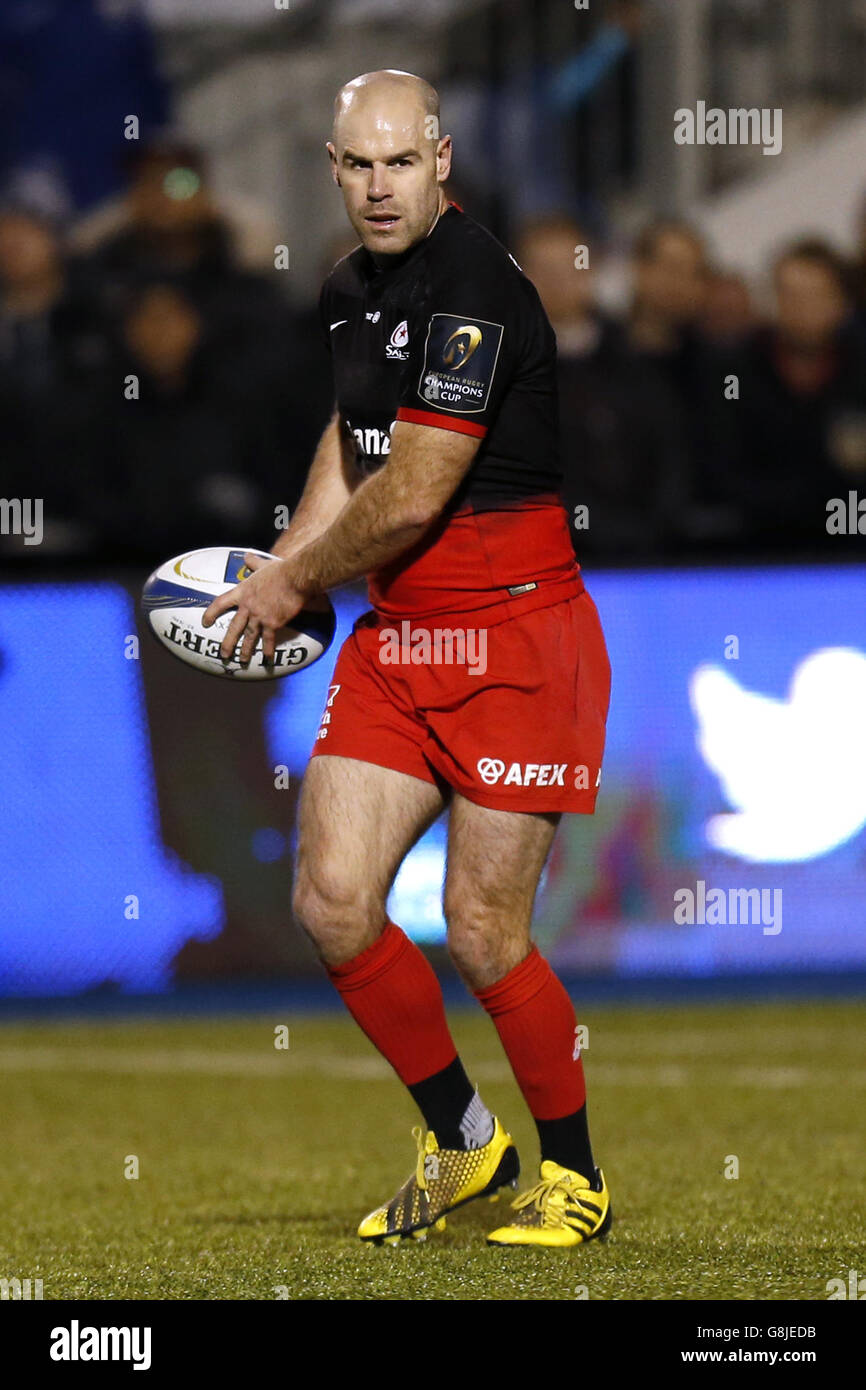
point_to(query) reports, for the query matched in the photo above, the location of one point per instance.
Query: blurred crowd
(160, 389)
(696, 423)
(155, 390)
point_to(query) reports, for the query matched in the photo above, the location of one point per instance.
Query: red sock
(535, 1020)
(393, 995)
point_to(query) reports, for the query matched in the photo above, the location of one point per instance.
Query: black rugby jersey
(453, 335)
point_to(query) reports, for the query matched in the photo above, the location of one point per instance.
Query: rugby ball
(177, 594)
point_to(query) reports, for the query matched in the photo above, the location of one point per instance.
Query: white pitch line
(279, 1066)
(286, 1064)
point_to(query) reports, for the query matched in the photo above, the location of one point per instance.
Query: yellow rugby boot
(560, 1211)
(443, 1179)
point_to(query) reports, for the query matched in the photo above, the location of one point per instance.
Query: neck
(382, 259)
(443, 203)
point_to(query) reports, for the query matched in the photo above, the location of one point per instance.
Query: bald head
(387, 86)
(388, 158)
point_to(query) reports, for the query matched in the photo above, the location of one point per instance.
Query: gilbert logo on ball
(177, 594)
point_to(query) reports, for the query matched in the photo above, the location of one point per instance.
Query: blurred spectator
(171, 224)
(170, 192)
(226, 416)
(54, 352)
(728, 316)
(670, 287)
(174, 228)
(46, 329)
(189, 460)
(797, 435)
(623, 450)
(671, 284)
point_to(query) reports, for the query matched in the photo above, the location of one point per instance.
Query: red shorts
(515, 720)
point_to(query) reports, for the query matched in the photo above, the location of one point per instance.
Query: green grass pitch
(255, 1164)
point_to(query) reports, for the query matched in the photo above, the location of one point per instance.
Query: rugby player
(438, 479)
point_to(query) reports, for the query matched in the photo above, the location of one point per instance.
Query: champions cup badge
(460, 346)
(459, 363)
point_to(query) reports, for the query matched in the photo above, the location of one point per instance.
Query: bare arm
(383, 516)
(330, 483)
(388, 512)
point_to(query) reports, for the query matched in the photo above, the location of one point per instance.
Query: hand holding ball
(188, 605)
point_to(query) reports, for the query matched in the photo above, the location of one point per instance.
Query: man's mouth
(382, 219)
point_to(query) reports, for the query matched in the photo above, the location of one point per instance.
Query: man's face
(390, 164)
(811, 306)
(672, 281)
(163, 331)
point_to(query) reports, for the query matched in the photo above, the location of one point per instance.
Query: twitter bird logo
(795, 769)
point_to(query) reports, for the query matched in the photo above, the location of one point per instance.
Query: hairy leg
(495, 859)
(357, 823)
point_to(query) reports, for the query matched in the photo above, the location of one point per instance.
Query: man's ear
(332, 155)
(443, 159)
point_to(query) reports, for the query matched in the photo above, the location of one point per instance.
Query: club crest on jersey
(396, 345)
(460, 358)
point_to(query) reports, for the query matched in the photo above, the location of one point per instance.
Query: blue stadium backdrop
(149, 811)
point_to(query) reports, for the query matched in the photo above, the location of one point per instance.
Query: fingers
(243, 624)
(251, 629)
(220, 605)
(251, 636)
(233, 636)
(269, 643)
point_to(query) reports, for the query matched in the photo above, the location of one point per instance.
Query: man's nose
(379, 184)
